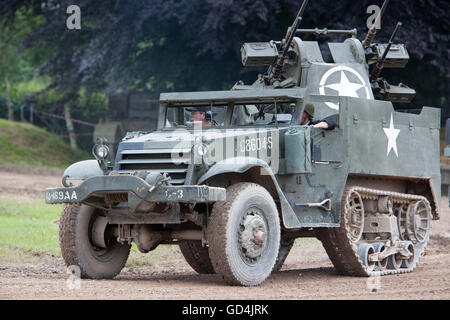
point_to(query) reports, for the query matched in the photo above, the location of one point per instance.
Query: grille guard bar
(103, 185)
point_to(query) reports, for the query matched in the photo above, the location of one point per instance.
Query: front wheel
(244, 235)
(87, 241)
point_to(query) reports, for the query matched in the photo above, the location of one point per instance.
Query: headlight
(202, 150)
(100, 151)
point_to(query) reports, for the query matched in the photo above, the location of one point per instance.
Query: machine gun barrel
(286, 43)
(379, 65)
(373, 30)
(325, 31)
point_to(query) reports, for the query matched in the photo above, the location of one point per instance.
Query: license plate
(61, 196)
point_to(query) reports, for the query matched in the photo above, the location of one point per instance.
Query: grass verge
(22, 144)
(28, 228)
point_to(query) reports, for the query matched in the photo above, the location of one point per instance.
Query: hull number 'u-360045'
(61, 195)
(254, 144)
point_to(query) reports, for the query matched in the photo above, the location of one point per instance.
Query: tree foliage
(162, 45)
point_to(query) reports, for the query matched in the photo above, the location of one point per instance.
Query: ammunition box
(258, 54)
(397, 56)
(398, 94)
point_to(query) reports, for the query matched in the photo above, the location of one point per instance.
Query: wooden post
(8, 100)
(70, 128)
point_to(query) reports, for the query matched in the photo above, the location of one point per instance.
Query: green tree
(15, 58)
(11, 37)
(165, 45)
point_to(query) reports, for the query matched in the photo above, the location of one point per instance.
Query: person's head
(308, 114)
(199, 114)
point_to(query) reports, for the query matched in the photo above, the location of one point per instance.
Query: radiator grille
(174, 162)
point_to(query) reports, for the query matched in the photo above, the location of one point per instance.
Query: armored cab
(234, 177)
(126, 113)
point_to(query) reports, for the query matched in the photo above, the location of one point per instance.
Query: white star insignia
(345, 87)
(391, 134)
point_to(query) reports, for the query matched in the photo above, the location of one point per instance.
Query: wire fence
(55, 123)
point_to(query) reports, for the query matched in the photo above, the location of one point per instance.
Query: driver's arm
(328, 124)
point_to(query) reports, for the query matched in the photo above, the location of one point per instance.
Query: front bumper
(100, 186)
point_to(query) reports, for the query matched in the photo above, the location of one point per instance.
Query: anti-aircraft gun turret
(388, 55)
(380, 63)
(279, 55)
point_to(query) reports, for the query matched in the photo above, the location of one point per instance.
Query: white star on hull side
(391, 134)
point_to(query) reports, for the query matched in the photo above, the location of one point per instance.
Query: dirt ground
(306, 274)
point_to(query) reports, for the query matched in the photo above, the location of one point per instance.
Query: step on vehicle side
(233, 178)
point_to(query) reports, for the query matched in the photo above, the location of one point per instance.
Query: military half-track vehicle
(233, 177)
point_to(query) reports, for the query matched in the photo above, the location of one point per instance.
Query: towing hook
(155, 180)
(65, 183)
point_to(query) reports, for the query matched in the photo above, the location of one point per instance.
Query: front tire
(244, 235)
(77, 246)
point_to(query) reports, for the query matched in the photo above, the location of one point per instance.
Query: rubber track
(343, 253)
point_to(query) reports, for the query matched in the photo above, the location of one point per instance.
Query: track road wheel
(364, 251)
(380, 265)
(408, 263)
(196, 256)
(244, 235)
(395, 261)
(82, 243)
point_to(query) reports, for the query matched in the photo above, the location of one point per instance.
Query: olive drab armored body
(233, 177)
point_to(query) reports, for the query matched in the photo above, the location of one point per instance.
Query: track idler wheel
(401, 212)
(418, 222)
